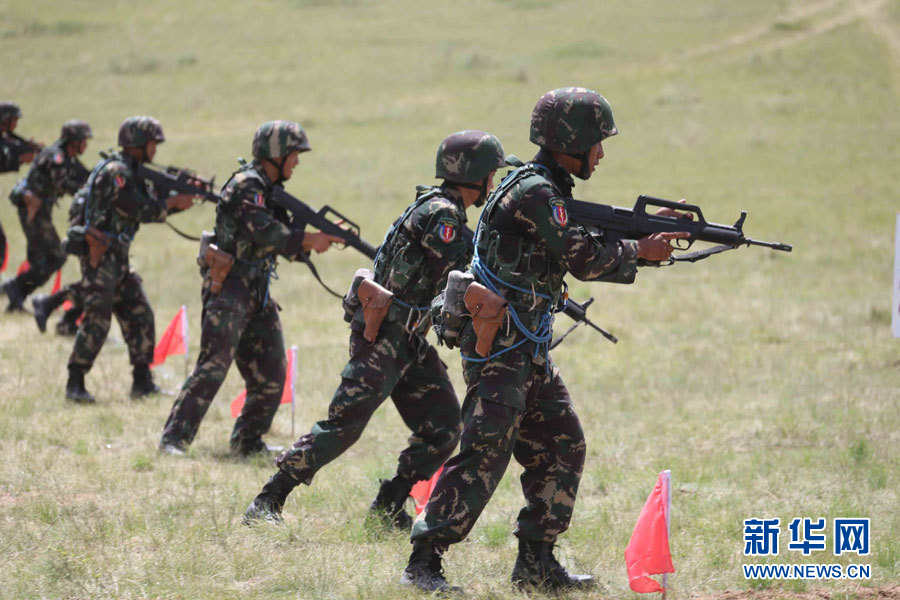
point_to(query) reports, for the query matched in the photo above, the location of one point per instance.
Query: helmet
(276, 139)
(468, 156)
(135, 132)
(8, 110)
(571, 120)
(75, 130)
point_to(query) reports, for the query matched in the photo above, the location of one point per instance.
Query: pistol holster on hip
(219, 263)
(376, 301)
(488, 311)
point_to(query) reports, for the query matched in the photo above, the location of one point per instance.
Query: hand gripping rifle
(572, 309)
(24, 146)
(614, 223)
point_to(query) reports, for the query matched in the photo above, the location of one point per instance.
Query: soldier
(395, 360)
(516, 402)
(13, 153)
(56, 171)
(117, 202)
(240, 318)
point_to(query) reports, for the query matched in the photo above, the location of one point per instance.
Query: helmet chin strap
(585, 171)
(480, 187)
(280, 166)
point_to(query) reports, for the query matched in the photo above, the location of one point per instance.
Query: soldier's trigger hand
(180, 202)
(657, 247)
(320, 242)
(671, 212)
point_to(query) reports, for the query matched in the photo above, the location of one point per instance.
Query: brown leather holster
(98, 243)
(376, 302)
(219, 263)
(488, 311)
(32, 206)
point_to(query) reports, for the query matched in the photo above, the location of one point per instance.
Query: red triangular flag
(67, 305)
(237, 405)
(648, 551)
(173, 340)
(57, 283)
(421, 491)
(287, 392)
(5, 258)
(25, 266)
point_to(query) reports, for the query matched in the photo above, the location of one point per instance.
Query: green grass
(768, 383)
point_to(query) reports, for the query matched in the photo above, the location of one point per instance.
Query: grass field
(769, 383)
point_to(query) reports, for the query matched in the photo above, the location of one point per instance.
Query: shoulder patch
(259, 199)
(58, 158)
(120, 181)
(447, 230)
(558, 210)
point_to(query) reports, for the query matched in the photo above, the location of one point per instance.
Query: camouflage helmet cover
(137, 131)
(468, 156)
(75, 130)
(571, 120)
(275, 139)
(9, 110)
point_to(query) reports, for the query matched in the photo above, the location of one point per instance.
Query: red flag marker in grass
(57, 283)
(648, 551)
(421, 491)
(24, 267)
(5, 258)
(174, 340)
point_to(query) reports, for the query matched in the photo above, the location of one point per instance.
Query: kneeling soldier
(389, 355)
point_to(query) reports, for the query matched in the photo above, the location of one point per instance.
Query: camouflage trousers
(396, 365)
(516, 406)
(250, 334)
(45, 253)
(113, 289)
(2, 245)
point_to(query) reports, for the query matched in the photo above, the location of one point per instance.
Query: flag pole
(293, 395)
(668, 479)
(187, 350)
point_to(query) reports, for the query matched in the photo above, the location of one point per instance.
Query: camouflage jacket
(52, 174)
(9, 154)
(526, 239)
(423, 246)
(253, 231)
(118, 202)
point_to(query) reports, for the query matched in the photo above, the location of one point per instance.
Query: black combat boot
(67, 326)
(388, 505)
(424, 569)
(143, 382)
(43, 306)
(536, 567)
(15, 295)
(268, 504)
(75, 389)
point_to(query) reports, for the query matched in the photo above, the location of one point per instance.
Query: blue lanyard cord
(411, 306)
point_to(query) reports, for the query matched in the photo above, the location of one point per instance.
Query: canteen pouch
(488, 311)
(376, 301)
(350, 302)
(453, 313)
(219, 263)
(75, 242)
(98, 243)
(206, 238)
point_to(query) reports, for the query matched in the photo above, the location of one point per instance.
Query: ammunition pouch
(488, 311)
(207, 238)
(76, 242)
(376, 302)
(448, 310)
(98, 243)
(350, 302)
(219, 263)
(32, 206)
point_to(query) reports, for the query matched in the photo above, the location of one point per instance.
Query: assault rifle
(24, 146)
(572, 309)
(616, 223)
(170, 181)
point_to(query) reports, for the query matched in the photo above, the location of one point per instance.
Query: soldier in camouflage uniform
(117, 203)
(418, 252)
(516, 402)
(56, 171)
(12, 153)
(241, 320)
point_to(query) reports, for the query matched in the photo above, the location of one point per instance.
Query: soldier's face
(593, 157)
(289, 163)
(80, 146)
(11, 124)
(150, 150)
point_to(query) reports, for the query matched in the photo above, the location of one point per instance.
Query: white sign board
(895, 306)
